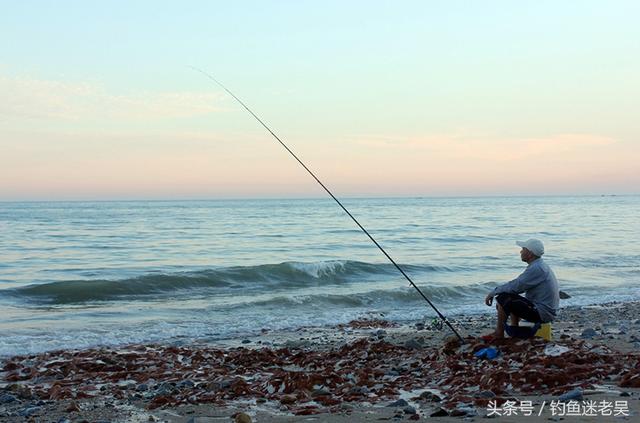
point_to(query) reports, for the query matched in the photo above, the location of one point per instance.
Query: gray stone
(7, 398)
(412, 344)
(246, 341)
(574, 394)
(29, 411)
(564, 295)
(419, 326)
(409, 410)
(588, 333)
(430, 396)
(440, 412)
(485, 394)
(142, 387)
(625, 394)
(380, 333)
(165, 389)
(185, 384)
(320, 392)
(359, 390)
(399, 403)
(466, 411)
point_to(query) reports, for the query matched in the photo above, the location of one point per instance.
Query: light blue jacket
(540, 286)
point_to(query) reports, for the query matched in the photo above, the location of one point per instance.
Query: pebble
(29, 411)
(320, 392)
(625, 394)
(242, 418)
(7, 398)
(399, 403)
(463, 411)
(185, 384)
(430, 396)
(72, 407)
(409, 410)
(142, 387)
(588, 333)
(412, 344)
(165, 389)
(246, 341)
(380, 333)
(574, 394)
(440, 412)
(485, 394)
(419, 326)
(359, 390)
(288, 399)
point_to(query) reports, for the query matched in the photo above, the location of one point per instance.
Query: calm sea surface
(80, 274)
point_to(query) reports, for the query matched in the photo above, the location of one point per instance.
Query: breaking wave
(274, 277)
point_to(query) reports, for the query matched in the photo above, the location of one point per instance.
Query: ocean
(83, 274)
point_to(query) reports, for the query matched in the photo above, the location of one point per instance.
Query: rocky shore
(367, 370)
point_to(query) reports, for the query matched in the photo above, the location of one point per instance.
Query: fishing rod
(444, 319)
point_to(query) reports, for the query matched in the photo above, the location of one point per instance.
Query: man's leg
(515, 320)
(516, 306)
(502, 317)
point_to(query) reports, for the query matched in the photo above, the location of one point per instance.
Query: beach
(366, 370)
(185, 311)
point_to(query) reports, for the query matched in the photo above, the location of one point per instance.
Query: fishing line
(444, 319)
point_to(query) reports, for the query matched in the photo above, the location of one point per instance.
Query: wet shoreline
(348, 372)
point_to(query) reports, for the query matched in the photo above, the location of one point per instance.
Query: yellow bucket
(544, 331)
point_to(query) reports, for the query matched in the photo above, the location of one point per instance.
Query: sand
(343, 374)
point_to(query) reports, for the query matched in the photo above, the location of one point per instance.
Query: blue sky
(382, 98)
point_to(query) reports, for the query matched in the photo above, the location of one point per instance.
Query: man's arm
(531, 277)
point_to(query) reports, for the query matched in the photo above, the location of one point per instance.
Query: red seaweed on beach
(308, 381)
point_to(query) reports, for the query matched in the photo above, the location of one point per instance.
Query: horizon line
(351, 197)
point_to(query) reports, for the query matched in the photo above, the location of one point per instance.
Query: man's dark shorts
(520, 306)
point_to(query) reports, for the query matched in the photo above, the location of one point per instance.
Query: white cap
(533, 245)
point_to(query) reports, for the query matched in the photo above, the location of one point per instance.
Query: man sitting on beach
(539, 284)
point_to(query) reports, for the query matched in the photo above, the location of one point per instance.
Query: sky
(99, 100)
